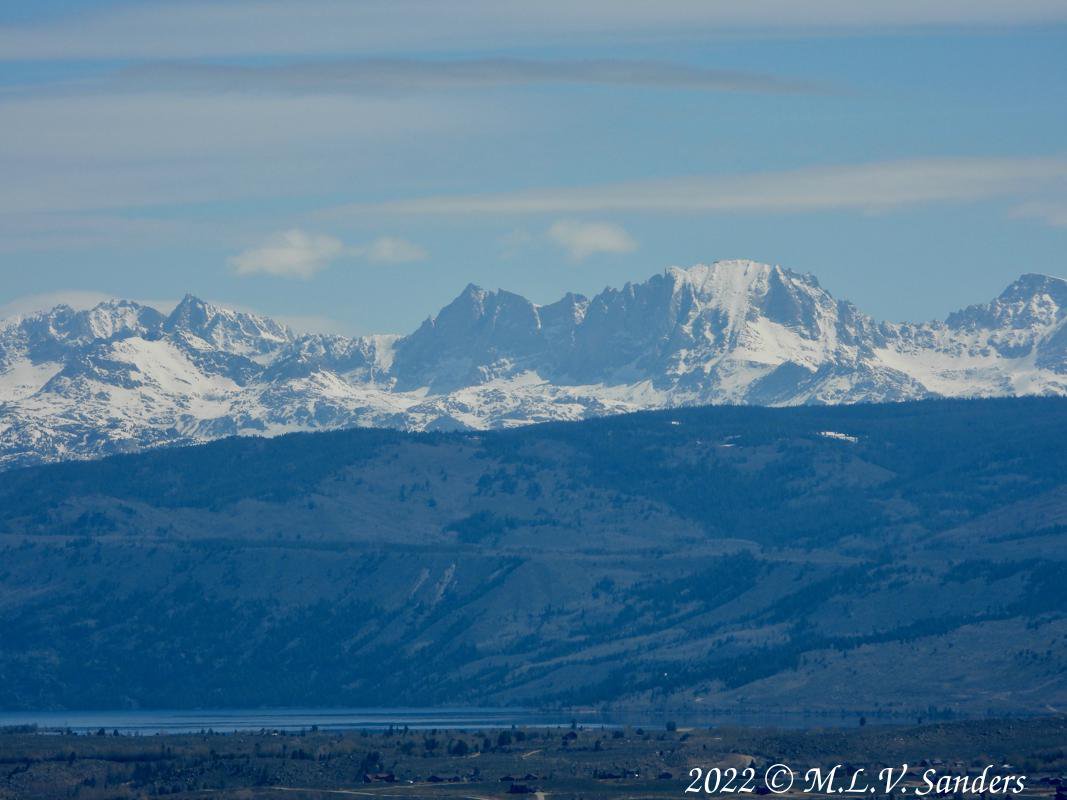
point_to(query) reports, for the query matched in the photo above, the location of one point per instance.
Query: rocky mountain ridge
(123, 376)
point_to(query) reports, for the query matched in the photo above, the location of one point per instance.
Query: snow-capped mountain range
(123, 376)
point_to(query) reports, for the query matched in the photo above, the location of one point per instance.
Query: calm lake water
(290, 719)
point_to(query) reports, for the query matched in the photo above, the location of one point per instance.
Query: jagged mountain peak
(121, 317)
(191, 307)
(1028, 290)
(1032, 287)
(121, 375)
(467, 341)
(193, 315)
(568, 311)
(737, 276)
(107, 320)
(238, 332)
(738, 271)
(736, 294)
(1036, 281)
(1031, 301)
(736, 282)
(472, 296)
(476, 308)
(473, 290)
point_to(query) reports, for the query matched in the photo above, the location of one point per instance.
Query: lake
(290, 719)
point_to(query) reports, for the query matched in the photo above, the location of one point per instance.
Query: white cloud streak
(1051, 213)
(871, 187)
(290, 254)
(369, 75)
(580, 240)
(151, 125)
(298, 254)
(390, 250)
(29, 232)
(195, 28)
(134, 150)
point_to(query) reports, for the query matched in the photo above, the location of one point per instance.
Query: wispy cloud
(352, 76)
(140, 149)
(390, 250)
(148, 125)
(872, 187)
(36, 231)
(1051, 213)
(291, 254)
(583, 239)
(196, 29)
(298, 254)
(514, 242)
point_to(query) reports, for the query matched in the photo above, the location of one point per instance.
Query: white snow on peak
(113, 317)
(122, 376)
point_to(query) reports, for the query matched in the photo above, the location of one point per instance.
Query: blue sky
(352, 165)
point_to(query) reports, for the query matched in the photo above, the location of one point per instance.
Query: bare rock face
(122, 376)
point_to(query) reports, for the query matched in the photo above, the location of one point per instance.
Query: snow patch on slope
(123, 376)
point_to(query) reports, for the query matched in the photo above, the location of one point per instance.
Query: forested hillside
(897, 559)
